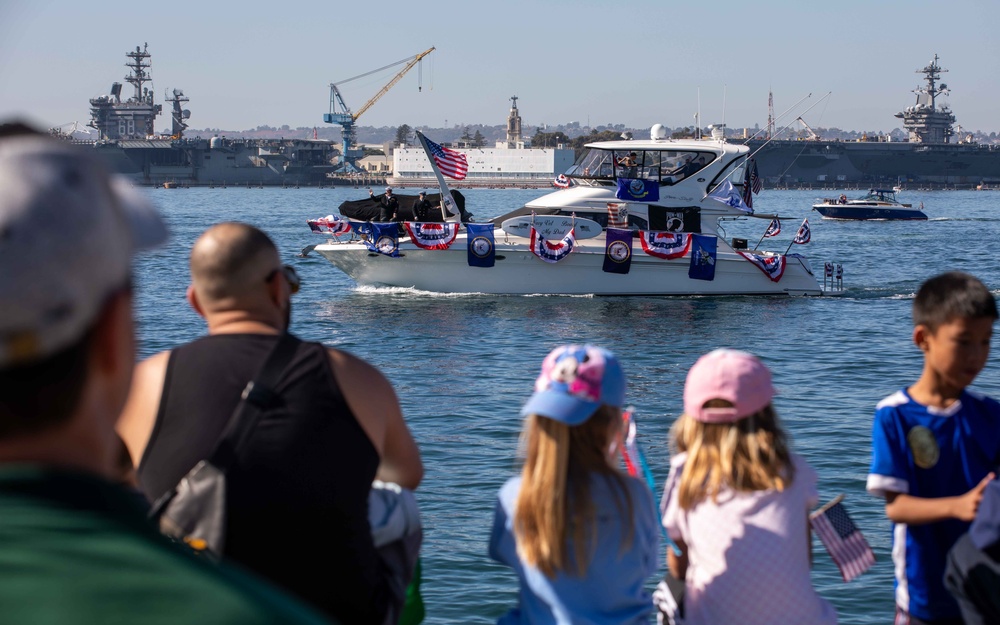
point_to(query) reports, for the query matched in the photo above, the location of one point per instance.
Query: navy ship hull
(868, 163)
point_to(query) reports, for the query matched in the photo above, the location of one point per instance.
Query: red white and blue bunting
(552, 252)
(667, 245)
(772, 266)
(431, 236)
(330, 225)
(562, 182)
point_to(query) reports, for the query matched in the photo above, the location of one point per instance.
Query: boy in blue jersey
(935, 444)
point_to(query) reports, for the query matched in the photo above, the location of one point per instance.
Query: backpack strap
(258, 396)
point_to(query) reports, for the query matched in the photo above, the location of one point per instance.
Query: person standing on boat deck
(628, 165)
(76, 546)
(422, 207)
(388, 203)
(736, 503)
(935, 444)
(298, 492)
(580, 534)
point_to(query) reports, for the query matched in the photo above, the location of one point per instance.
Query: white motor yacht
(672, 179)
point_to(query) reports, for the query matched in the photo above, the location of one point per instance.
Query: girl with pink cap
(736, 504)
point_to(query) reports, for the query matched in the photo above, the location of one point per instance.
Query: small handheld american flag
(842, 539)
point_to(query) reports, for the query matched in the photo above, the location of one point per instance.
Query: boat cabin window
(664, 166)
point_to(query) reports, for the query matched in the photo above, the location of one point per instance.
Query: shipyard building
(511, 163)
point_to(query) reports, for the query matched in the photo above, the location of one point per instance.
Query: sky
(631, 62)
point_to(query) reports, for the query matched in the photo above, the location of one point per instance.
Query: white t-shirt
(748, 553)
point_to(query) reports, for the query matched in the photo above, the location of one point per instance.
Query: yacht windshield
(664, 166)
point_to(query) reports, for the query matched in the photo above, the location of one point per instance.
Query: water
(463, 365)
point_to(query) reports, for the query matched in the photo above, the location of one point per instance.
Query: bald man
(298, 492)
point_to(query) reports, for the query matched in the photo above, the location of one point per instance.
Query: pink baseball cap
(737, 377)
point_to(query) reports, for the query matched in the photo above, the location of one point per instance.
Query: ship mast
(139, 76)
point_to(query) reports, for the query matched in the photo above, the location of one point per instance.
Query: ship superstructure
(128, 142)
(927, 158)
(924, 120)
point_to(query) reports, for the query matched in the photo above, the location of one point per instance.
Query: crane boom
(413, 61)
(346, 118)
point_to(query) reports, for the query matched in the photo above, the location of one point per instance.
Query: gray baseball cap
(68, 231)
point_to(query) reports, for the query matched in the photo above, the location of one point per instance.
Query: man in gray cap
(75, 545)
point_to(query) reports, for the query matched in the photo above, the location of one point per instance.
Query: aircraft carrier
(127, 141)
(928, 159)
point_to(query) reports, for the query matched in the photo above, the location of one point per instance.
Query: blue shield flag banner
(482, 249)
(552, 252)
(774, 228)
(703, 250)
(432, 236)
(638, 190)
(727, 194)
(773, 266)
(804, 235)
(667, 245)
(618, 251)
(384, 239)
(845, 542)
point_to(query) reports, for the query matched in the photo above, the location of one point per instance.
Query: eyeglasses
(291, 276)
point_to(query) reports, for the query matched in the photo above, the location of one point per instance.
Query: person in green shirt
(75, 546)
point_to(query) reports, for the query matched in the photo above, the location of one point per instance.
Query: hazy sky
(635, 62)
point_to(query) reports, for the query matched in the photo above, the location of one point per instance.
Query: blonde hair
(554, 510)
(748, 455)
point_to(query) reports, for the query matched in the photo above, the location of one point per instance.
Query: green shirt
(77, 549)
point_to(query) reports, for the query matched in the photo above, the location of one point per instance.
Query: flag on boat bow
(804, 234)
(384, 239)
(452, 163)
(774, 228)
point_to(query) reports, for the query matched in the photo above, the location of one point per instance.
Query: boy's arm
(904, 508)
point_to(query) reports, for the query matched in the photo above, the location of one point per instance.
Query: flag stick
(827, 506)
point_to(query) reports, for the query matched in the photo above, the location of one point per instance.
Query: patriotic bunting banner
(431, 236)
(482, 249)
(552, 252)
(330, 225)
(772, 266)
(774, 228)
(804, 234)
(703, 251)
(727, 194)
(617, 215)
(618, 251)
(843, 540)
(637, 190)
(667, 245)
(562, 182)
(384, 239)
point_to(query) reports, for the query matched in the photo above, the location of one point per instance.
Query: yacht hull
(848, 211)
(518, 272)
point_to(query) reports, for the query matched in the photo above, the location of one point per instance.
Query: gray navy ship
(127, 141)
(928, 158)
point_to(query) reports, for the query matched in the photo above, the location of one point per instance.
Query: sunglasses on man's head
(292, 276)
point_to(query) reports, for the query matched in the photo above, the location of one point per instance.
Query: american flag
(804, 234)
(774, 228)
(755, 182)
(847, 546)
(451, 163)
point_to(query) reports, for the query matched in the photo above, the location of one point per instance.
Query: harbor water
(462, 365)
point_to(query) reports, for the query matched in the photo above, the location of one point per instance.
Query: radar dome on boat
(657, 132)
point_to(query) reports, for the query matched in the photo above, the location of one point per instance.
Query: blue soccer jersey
(929, 452)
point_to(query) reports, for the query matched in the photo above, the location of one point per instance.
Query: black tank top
(298, 492)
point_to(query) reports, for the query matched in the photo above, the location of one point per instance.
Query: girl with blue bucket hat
(580, 534)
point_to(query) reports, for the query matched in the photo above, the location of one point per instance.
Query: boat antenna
(697, 117)
(785, 127)
(724, 86)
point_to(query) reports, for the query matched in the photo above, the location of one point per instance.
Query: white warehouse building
(510, 163)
